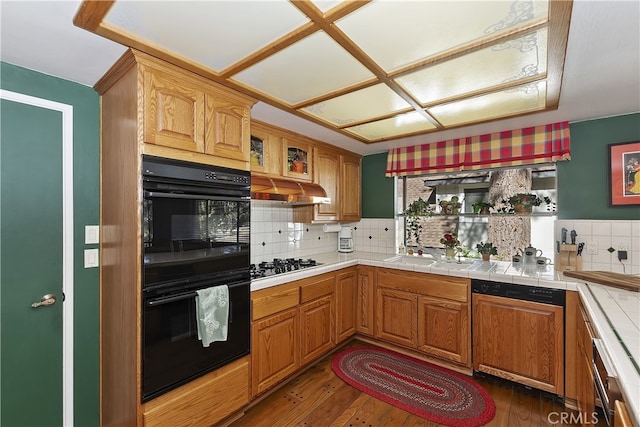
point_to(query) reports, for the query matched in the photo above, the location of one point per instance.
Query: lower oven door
(172, 353)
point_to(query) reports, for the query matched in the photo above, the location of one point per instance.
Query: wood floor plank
(319, 398)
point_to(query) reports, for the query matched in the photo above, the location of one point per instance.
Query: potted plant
(416, 210)
(451, 243)
(524, 202)
(486, 250)
(481, 208)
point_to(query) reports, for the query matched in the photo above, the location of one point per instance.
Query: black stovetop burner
(281, 265)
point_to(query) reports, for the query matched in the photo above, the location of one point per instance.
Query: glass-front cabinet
(298, 160)
(265, 150)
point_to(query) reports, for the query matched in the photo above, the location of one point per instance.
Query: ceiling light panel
(519, 100)
(502, 63)
(357, 106)
(215, 34)
(427, 28)
(401, 124)
(312, 67)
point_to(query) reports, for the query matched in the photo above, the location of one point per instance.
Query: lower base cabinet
(443, 329)
(396, 316)
(316, 331)
(274, 349)
(204, 401)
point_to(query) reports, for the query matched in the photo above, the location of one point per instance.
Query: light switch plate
(91, 258)
(91, 234)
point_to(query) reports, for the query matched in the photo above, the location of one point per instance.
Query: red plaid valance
(528, 146)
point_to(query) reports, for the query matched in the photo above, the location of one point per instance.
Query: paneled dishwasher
(518, 333)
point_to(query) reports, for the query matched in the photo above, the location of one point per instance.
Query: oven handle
(194, 196)
(166, 300)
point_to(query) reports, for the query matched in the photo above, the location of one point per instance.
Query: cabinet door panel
(366, 309)
(274, 352)
(396, 317)
(350, 194)
(519, 340)
(444, 329)
(316, 328)
(346, 301)
(227, 133)
(327, 170)
(173, 112)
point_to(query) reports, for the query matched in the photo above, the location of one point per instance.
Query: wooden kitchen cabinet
(173, 110)
(522, 341)
(317, 310)
(327, 174)
(316, 328)
(183, 116)
(444, 329)
(297, 158)
(227, 130)
(350, 188)
(266, 150)
(426, 312)
(366, 310)
(346, 303)
(274, 349)
(396, 316)
(585, 388)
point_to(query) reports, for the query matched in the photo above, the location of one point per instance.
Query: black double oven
(195, 235)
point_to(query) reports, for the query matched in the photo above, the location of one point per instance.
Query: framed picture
(624, 173)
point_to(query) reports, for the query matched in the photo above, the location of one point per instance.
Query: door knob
(48, 299)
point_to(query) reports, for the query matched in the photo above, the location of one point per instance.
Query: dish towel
(212, 311)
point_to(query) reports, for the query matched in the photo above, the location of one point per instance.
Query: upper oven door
(193, 231)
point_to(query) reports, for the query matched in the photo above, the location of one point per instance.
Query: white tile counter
(615, 315)
(614, 311)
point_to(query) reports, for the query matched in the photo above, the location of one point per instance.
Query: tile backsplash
(275, 235)
(599, 236)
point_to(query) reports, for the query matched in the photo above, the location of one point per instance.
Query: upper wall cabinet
(183, 115)
(173, 111)
(298, 159)
(227, 132)
(265, 150)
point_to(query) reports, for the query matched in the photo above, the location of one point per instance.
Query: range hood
(287, 191)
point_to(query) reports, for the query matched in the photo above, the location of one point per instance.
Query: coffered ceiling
(371, 70)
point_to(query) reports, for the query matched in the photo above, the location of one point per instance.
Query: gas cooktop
(280, 266)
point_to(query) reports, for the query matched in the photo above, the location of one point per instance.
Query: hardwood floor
(318, 398)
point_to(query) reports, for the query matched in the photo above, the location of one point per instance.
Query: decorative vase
(450, 254)
(486, 257)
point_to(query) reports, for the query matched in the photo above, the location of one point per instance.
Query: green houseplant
(414, 213)
(524, 202)
(481, 208)
(486, 250)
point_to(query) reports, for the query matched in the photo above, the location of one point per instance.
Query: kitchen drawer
(204, 401)
(323, 285)
(434, 285)
(266, 302)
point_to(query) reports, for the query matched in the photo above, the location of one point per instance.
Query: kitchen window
(460, 191)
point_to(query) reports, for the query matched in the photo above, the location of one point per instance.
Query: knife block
(568, 259)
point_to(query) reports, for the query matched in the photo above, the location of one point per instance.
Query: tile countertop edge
(630, 379)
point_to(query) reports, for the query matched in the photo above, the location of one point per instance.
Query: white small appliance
(345, 239)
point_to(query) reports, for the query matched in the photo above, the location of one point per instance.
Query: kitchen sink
(417, 260)
(453, 265)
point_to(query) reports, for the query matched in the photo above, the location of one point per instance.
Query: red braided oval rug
(419, 387)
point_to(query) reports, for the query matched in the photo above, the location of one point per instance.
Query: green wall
(86, 186)
(583, 185)
(582, 182)
(377, 190)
